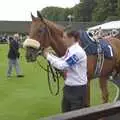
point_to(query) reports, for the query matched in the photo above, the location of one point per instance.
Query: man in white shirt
(74, 62)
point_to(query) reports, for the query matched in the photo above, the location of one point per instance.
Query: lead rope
(55, 75)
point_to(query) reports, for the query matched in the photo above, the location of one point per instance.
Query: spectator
(13, 56)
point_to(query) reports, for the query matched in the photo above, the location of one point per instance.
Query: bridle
(51, 71)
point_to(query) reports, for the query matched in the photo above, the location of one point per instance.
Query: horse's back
(91, 46)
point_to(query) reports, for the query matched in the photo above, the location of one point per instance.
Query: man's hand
(48, 50)
(45, 52)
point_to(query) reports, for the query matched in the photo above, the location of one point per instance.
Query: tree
(53, 13)
(111, 18)
(76, 12)
(86, 9)
(67, 11)
(118, 8)
(104, 8)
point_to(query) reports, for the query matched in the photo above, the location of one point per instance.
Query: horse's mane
(56, 33)
(55, 27)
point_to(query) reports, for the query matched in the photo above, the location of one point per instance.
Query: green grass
(29, 98)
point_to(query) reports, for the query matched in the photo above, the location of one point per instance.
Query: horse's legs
(88, 94)
(104, 90)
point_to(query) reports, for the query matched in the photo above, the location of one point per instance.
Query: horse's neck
(58, 47)
(56, 40)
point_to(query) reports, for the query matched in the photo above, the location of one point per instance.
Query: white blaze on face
(31, 43)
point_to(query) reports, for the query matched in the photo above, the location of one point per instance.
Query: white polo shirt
(74, 62)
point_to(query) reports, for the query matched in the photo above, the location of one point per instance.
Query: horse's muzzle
(31, 54)
(30, 59)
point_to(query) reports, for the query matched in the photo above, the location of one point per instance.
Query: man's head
(16, 36)
(69, 38)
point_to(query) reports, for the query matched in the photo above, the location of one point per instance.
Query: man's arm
(57, 62)
(63, 64)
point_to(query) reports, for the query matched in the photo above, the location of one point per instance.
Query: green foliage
(53, 13)
(104, 9)
(85, 11)
(111, 18)
(118, 8)
(77, 13)
(67, 11)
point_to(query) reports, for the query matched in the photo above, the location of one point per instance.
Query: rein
(54, 73)
(55, 76)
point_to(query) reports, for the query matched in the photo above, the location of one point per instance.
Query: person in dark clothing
(13, 56)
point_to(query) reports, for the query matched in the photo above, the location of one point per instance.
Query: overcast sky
(21, 9)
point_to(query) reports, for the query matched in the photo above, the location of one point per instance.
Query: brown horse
(44, 33)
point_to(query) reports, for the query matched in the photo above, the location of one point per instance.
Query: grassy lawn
(28, 98)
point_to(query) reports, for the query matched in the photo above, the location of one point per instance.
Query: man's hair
(74, 34)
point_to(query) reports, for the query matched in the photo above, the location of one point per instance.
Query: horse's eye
(42, 30)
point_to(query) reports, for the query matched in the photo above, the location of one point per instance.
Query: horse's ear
(39, 15)
(32, 16)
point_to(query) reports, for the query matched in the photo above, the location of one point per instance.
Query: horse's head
(43, 33)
